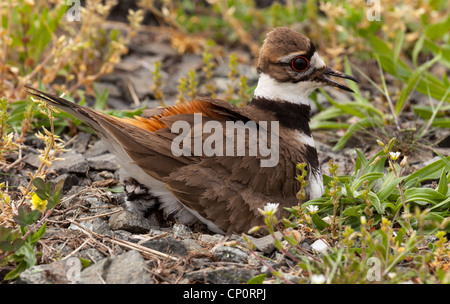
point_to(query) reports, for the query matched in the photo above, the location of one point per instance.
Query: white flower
(318, 279)
(394, 155)
(269, 209)
(312, 209)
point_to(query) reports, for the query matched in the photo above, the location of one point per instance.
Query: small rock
(230, 254)
(81, 143)
(103, 162)
(53, 273)
(167, 245)
(70, 180)
(211, 239)
(32, 160)
(128, 268)
(266, 243)
(293, 278)
(222, 275)
(72, 163)
(306, 245)
(98, 148)
(100, 226)
(86, 224)
(124, 236)
(191, 245)
(92, 255)
(129, 221)
(182, 231)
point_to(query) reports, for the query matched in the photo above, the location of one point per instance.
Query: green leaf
(259, 279)
(15, 272)
(389, 185)
(376, 202)
(39, 183)
(100, 98)
(362, 124)
(26, 216)
(444, 204)
(423, 196)
(412, 82)
(38, 234)
(417, 48)
(85, 263)
(43, 189)
(399, 238)
(55, 194)
(431, 171)
(320, 223)
(361, 161)
(443, 184)
(435, 31)
(28, 254)
(399, 40)
(368, 176)
(353, 211)
(316, 125)
(11, 246)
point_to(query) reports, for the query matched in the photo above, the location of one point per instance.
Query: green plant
(208, 66)
(366, 218)
(157, 83)
(18, 244)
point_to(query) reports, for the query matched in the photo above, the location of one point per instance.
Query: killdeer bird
(223, 191)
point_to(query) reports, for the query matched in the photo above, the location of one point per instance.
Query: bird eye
(300, 64)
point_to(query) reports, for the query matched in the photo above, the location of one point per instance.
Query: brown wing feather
(226, 190)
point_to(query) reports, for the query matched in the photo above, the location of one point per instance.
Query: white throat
(297, 93)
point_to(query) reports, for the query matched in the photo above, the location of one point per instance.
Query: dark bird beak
(330, 72)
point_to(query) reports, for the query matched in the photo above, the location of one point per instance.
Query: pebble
(53, 273)
(129, 221)
(73, 163)
(211, 239)
(182, 231)
(167, 245)
(103, 162)
(127, 268)
(265, 244)
(230, 254)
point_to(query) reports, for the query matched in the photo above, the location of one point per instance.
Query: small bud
(404, 161)
(391, 142)
(377, 159)
(254, 230)
(363, 220)
(231, 243)
(380, 143)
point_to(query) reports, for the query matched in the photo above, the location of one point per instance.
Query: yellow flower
(37, 203)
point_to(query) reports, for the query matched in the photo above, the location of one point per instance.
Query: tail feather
(86, 115)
